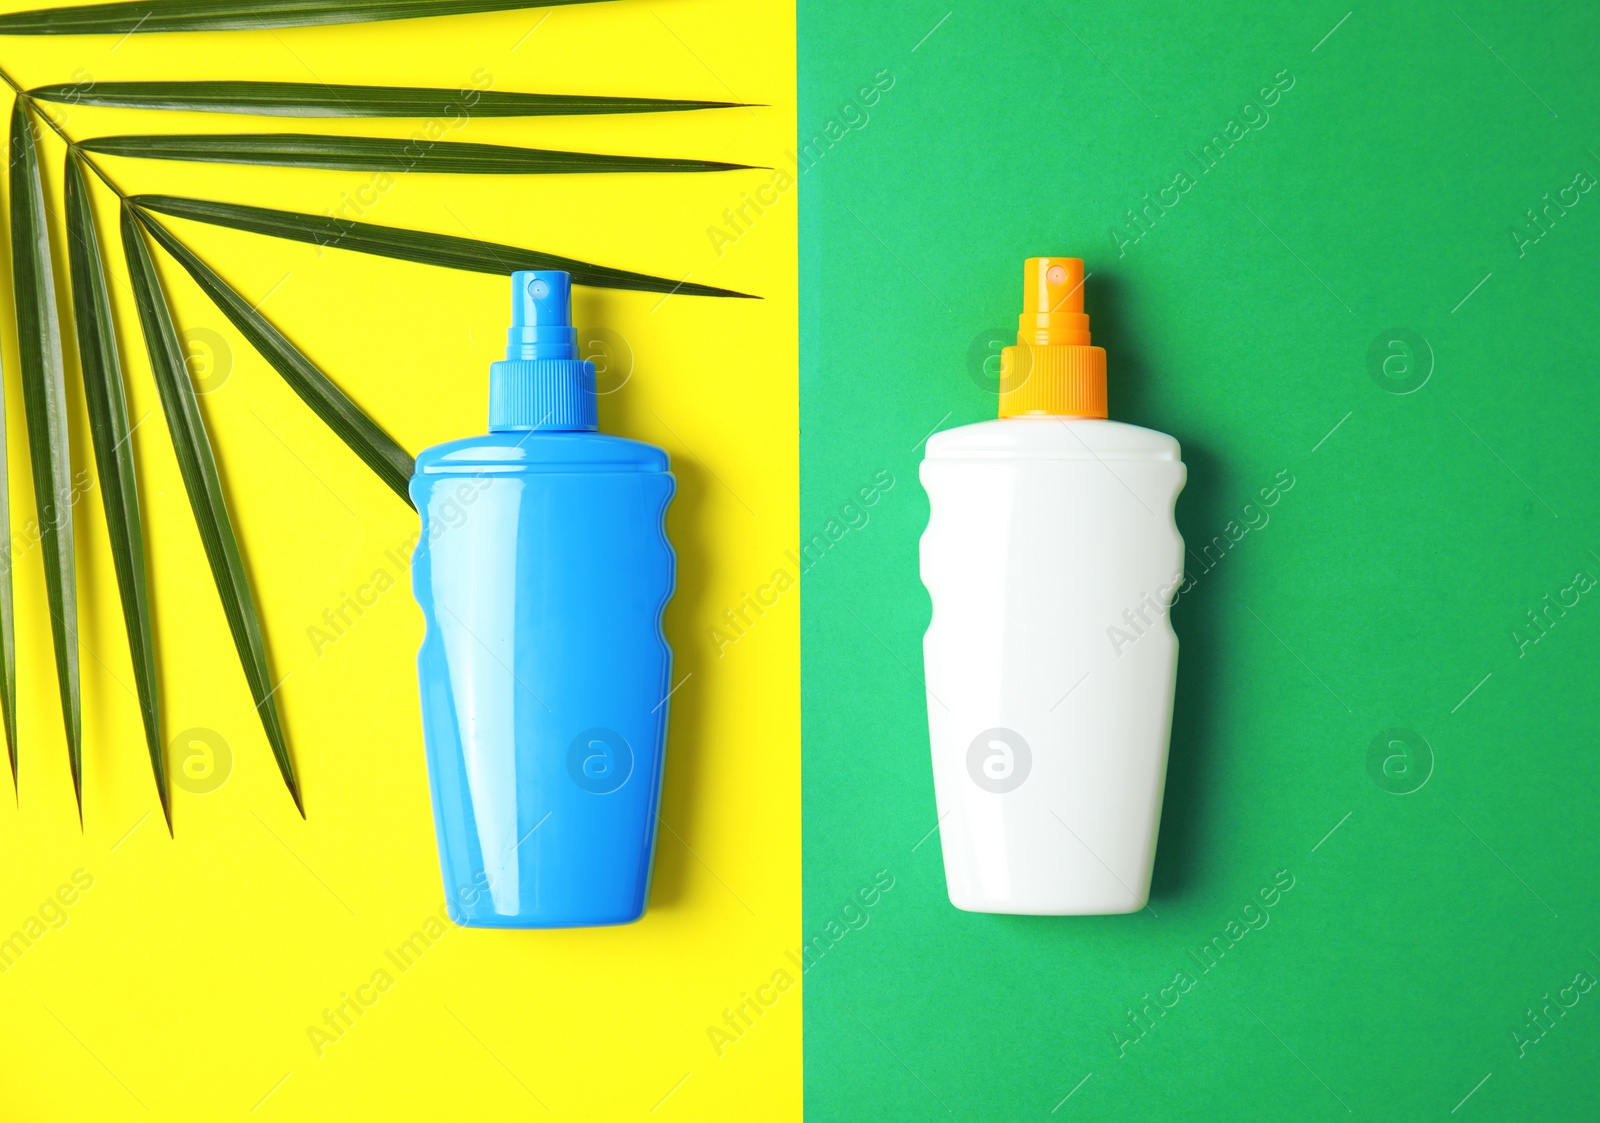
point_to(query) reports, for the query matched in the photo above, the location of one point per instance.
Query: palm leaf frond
(308, 99)
(106, 398)
(41, 341)
(411, 245)
(384, 154)
(197, 464)
(239, 15)
(45, 400)
(365, 436)
(8, 629)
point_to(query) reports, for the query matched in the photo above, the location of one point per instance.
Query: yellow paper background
(182, 984)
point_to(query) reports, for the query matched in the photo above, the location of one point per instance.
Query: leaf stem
(33, 108)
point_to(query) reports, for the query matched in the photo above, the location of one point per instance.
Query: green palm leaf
(306, 99)
(40, 340)
(238, 15)
(380, 451)
(383, 154)
(45, 400)
(411, 245)
(8, 633)
(113, 455)
(198, 466)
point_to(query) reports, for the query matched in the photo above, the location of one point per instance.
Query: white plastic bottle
(1051, 557)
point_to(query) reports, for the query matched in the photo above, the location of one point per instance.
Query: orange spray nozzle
(1052, 302)
(1053, 370)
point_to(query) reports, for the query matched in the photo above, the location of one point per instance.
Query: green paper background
(1385, 586)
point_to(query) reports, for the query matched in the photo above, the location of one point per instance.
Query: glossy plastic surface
(542, 571)
(1051, 556)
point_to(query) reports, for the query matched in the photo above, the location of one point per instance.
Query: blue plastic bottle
(542, 569)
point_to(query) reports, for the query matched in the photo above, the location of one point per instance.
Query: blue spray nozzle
(541, 316)
(542, 384)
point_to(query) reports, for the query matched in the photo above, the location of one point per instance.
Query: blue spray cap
(541, 384)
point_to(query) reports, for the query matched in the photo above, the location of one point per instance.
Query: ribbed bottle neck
(555, 395)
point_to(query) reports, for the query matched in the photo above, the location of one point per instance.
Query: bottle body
(1051, 557)
(542, 570)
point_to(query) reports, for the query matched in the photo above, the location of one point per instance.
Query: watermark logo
(737, 621)
(999, 760)
(457, 106)
(341, 1017)
(853, 116)
(209, 359)
(1549, 610)
(57, 514)
(1399, 360)
(1144, 1015)
(612, 356)
(1399, 761)
(71, 93)
(201, 760)
(1254, 115)
(1540, 223)
(852, 916)
(599, 760)
(984, 364)
(1541, 1017)
(50, 915)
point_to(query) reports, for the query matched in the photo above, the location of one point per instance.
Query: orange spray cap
(1053, 370)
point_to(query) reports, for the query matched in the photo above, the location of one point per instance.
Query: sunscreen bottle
(1051, 557)
(542, 570)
